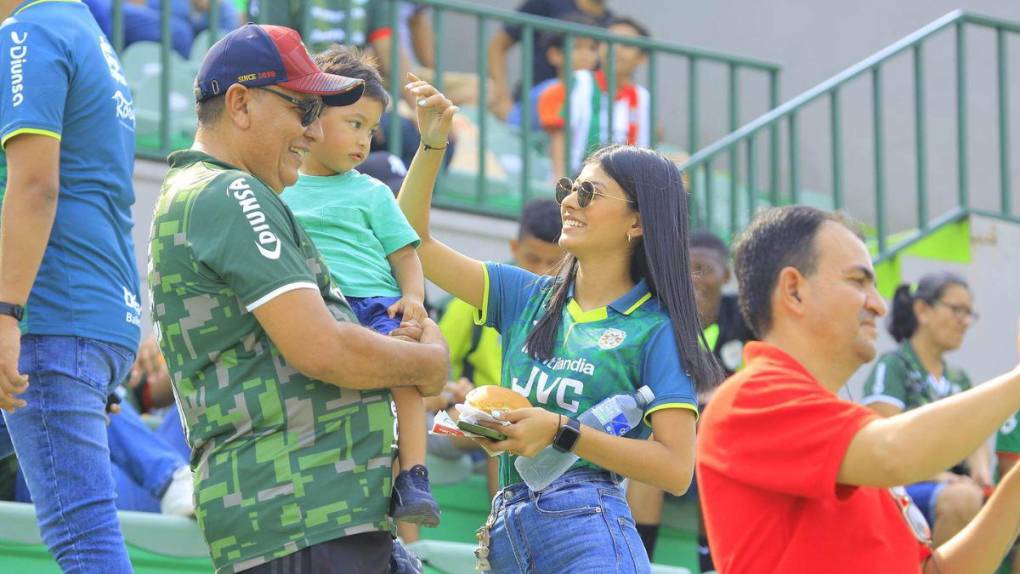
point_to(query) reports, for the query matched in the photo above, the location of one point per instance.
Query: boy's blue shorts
(371, 312)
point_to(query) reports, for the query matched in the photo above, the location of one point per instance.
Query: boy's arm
(981, 546)
(407, 271)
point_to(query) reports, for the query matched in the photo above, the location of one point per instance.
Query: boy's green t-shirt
(355, 222)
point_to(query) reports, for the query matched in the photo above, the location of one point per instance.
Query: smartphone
(486, 432)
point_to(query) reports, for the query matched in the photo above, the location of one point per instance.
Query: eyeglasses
(585, 192)
(912, 514)
(961, 312)
(311, 108)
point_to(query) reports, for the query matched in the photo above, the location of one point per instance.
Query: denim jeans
(60, 438)
(143, 463)
(579, 523)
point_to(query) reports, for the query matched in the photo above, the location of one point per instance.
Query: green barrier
(157, 544)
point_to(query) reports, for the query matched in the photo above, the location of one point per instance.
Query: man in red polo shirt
(793, 478)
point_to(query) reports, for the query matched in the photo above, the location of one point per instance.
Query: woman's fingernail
(421, 102)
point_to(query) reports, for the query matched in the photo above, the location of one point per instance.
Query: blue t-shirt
(61, 78)
(597, 353)
(355, 222)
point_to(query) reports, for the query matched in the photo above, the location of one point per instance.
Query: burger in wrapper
(494, 401)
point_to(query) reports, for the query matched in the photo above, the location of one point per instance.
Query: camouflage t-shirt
(281, 461)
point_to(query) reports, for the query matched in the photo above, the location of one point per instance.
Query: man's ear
(237, 105)
(787, 295)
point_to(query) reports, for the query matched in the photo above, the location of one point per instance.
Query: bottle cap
(646, 394)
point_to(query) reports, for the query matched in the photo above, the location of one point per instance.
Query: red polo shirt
(771, 443)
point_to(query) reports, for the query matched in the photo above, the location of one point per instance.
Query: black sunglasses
(311, 108)
(585, 192)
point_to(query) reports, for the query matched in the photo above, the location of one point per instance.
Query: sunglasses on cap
(311, 108)
(585, 192)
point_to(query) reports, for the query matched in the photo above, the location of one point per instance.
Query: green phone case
(480, 430)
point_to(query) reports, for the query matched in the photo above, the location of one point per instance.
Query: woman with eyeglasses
(618, 313)
(928, 320)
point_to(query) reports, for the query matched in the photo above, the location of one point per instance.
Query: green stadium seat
(141, 62)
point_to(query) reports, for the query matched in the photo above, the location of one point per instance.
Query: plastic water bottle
(616, 415)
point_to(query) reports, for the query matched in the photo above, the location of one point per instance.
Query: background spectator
(929, 320)
(67, 260)
(585, 100)
(505, 38)
(632, 103)
(142, 20)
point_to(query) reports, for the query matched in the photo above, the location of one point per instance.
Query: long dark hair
(660, 257)
(902, 322)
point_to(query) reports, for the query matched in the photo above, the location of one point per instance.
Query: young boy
(354, 220)
(589, 100)
(632, 105)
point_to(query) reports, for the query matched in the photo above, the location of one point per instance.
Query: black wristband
(428, 147)
(16, 311)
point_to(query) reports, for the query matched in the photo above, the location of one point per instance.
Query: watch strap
(566, 437)
(16, 311)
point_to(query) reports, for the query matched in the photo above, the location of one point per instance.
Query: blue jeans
(60, 438)
(143, 463)
(579, 523)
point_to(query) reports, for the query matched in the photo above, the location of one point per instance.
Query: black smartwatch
(16, 311)
(567, 436)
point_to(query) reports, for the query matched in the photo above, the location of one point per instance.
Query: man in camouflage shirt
(284, 397)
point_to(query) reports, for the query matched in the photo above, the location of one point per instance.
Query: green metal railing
(483, 191)
(741, 148)
(530, 26)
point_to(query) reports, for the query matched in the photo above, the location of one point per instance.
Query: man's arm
(921, 442)
(423, 38)
(502, 101)
(382, 46)
(30, 206)
(980, 547)
(349, 355)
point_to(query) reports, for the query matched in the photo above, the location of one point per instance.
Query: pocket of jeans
(576, 499)
(102, 365)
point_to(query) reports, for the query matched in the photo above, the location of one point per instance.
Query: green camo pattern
(281, 461)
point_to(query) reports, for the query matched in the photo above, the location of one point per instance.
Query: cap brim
(326, 85)
(345, 98)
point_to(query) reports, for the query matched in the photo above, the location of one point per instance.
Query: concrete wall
(814, 40)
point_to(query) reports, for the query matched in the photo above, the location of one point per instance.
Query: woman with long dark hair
(928, 320)
(617, 315)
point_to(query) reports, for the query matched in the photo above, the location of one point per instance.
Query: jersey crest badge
(611, 339)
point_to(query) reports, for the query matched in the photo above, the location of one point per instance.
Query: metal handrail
(742, 141)
(531, 26)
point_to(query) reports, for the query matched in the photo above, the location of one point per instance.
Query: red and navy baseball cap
(263, 55)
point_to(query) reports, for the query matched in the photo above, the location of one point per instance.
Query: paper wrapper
(443, 424)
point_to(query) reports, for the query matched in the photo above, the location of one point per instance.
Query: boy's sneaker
(179, 497)
(412, 498)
